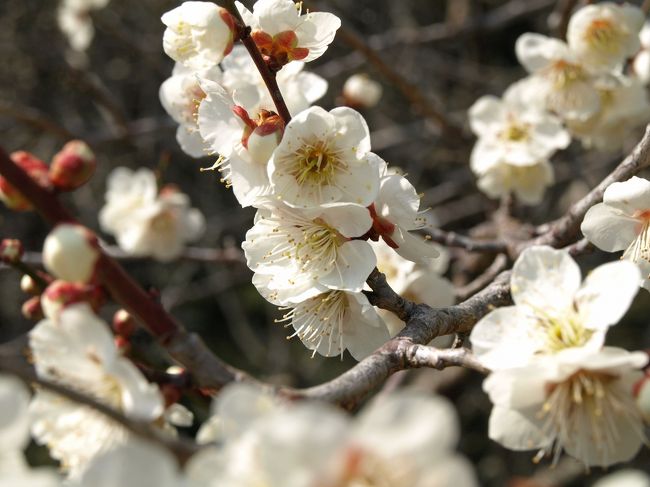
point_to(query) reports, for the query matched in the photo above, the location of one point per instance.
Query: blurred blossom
(641, 64)
(362, 92)
(73, 17)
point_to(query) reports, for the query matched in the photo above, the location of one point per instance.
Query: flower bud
(359, 91)
(642, 394)
(28, 285)
(32, 310)
(265, 138)
(72, 166)
(61, 294)
(35, 168)
(70, 253)
(11, 251)
(123, 323)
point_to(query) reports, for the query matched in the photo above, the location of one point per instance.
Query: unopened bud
(28, 285)
(32, 309)
(359, 91)
(642, 394)
(35, 168)
(71, 252)
(11, 251)
(121, 343)
(61, 294)
(72, 166)
(265, 138)
(123, 323)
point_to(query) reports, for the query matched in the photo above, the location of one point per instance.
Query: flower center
(363, 468)
(583, 414)
(318, 248)
(316, 164)
(564, 74)
(564, 332)
(515, 132)
(163, 222)
(639, 249)
(603, 35)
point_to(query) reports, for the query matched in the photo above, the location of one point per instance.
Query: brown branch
(424, 356)
(36, 119)
(498, 265)
(267, 75)
(452, 239)
(182, 449)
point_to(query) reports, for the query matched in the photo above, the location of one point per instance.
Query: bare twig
(499, 264)
(452, 239)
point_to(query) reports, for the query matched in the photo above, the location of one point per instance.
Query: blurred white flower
(361, 91)
(553, 311)
(528, 183)
(304, 251)
(395, 214)
(145, 222)
(624, 478)
(604, 35)
(332, 322)
(577, 400)
(71, 252)
(559, 79)
(78, 351)
(198, 34)
(641, 63)
(282, 34)
(73, 18)
(624, 107)
(622, 222)
(513, 131)
(642, 394)
(323, 158)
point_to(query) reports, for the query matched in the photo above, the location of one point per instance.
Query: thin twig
(452, 239)
(499, 264)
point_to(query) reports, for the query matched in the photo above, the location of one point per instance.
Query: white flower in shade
(243, 81)
(361, 91)
(71, 252)
(302, 251)
(624, 478)
(180, 96)
(133, 464)
(331, 322)
(553, 311)
(420, 283)
(603, 36)
(78, 351)
(198, 34)
(74, 20)
(145, 222)
(324, 158)
(401, 440)
(642, 394)
(560, 80)
(282, 34)
(624, 107)
(579, 401)
(513, 131)
(641, 63)
(395, 214)
(528, 183)
(622, 222)
(244, 144)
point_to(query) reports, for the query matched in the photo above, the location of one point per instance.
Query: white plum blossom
(559, 79)
(512, 130)
(180, 96)
(361, 91)
(626, 477)
(624, 106)
(622, 222)
(528, 183)
(641, 63)
(420, 283)
(242, 80)
(604, 35)
(198, 34)
(78, 351)
(395, 214)
(552, 310)
(642, 393)
(74, 20)
(577, 400)
(145, 222)
(283, 34)
(71, 252)
(332, 322)
(324, 158)
(302, 251)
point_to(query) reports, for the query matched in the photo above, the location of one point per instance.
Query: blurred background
(446, 54)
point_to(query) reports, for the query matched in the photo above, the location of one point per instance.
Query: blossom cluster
(319, 191)
(575, 89)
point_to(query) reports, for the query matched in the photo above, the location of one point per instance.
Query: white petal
(515, 430)
(536, 51)
(609, 228)
(486, 115)
(629, 196)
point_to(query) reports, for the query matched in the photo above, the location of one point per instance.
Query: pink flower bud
(642, 394)
(72, 166)
(266, 137)
(71, 252)
(32, 310)
(35, 168)
(60, 294)
(11, 251)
